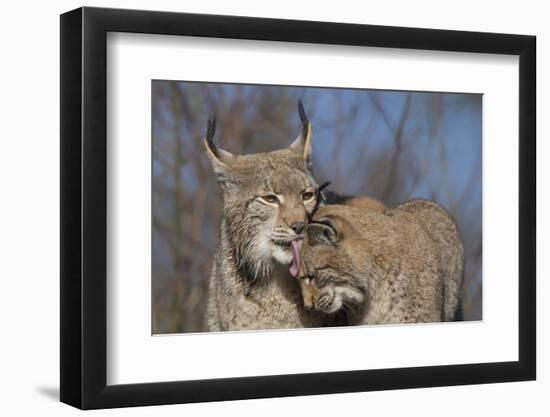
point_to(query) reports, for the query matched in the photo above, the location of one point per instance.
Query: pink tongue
(296, 246)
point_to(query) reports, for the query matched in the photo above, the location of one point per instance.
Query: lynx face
(328, 276)
(280, 208)
(266, 212)
(266, 199)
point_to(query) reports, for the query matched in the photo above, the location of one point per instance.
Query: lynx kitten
(401, 266)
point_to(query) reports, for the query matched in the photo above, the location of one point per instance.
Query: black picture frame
(84, 207)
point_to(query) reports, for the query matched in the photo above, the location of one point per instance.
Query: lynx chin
(266, 200)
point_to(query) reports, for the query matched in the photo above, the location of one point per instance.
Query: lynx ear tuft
(221, 160)
(302, 143)
(322, 232)
(302, 113)
(319, 198)
(210, 131)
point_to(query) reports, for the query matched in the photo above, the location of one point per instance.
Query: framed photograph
(257, 208)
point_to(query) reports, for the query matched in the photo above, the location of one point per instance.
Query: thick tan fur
(365, 202)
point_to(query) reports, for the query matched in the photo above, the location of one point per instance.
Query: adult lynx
(266, 200)
(401, 266)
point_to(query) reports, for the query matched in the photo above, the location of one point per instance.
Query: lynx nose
(298, 227)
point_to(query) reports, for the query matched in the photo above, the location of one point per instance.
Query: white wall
(30, 205)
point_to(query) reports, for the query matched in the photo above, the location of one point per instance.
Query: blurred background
(391, 145)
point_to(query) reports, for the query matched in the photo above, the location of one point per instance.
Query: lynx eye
(271, 199)
(308, 195)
